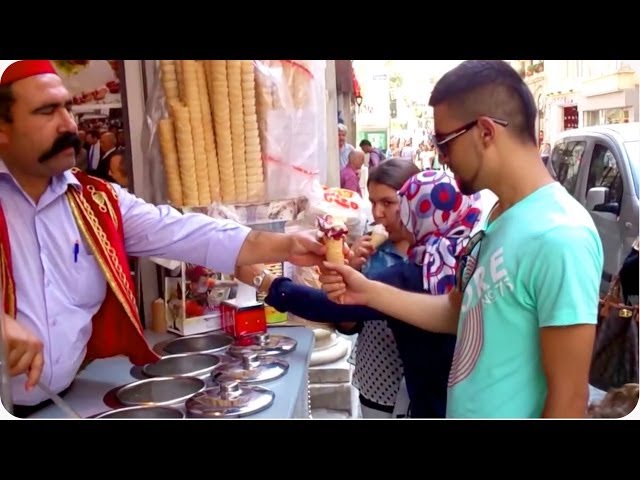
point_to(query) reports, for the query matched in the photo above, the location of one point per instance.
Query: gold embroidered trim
(104, 205)
(7, 286)
(78, 204)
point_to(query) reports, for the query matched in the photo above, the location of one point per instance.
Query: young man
(65, 238)
(527, 299)
(375, 155)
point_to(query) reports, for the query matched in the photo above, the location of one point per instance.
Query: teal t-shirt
(538, 265)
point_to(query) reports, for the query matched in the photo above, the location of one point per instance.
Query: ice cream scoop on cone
(379, 235)
(332, 231)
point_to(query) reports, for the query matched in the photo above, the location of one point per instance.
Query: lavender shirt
(349, 179)
(57, 296)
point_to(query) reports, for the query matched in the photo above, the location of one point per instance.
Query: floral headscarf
(441, 219)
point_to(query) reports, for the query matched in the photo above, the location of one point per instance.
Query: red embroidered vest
(117, 329)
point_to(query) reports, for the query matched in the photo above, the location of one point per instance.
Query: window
(604, 172)
(565, 159)
(591, 118)
(616, 115)
(606, 117)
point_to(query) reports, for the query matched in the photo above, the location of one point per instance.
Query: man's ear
(487, 129)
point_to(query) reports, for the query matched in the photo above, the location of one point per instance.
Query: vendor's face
(42, 139)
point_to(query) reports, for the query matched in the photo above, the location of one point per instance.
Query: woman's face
(386, 207)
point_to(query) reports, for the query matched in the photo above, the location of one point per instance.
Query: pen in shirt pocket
(76, 251)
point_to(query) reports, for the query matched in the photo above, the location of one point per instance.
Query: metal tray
(205, 343)
(183, 364)
(159, 391)
(143, 412)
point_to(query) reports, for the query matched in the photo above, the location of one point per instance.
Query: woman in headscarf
(438, 220)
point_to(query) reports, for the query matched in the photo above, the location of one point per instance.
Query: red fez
(24, 69)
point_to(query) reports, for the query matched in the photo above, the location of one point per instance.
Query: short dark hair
(393, 172)
(6, 102)
(492, 88)
(94, 133)
(365, 143)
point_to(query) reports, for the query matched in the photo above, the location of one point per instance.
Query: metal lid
(252, 369)
(205, 343)
(264, 344)
(229, 399)
(142, 412)
(159, 391)
(184, 364)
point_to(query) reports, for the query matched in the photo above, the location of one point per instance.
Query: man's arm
(162, 231)
(566, 279)
(268, 247)
(566, 356)
(436, 313)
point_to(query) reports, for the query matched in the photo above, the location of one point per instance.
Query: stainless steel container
(197, 365)
(229, 400)
(263, 344)
(143, 412)
(252, 369)
(160, 391)
(205, 343)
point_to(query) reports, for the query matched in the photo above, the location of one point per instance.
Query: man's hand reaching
(24, 351)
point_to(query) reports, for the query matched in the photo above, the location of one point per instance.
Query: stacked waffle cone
(210, 140)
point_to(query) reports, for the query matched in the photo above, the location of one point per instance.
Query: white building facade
(575, 93)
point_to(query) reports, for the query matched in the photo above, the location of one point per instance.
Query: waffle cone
(335, 253)
(378, 239)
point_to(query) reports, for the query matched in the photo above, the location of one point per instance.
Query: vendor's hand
(361, 250)
(307, 251)
(24, 352)
(343, 284)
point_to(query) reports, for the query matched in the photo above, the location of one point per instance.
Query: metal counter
(101, 376)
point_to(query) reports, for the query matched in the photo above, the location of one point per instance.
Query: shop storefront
(617, 107)
(562, 113)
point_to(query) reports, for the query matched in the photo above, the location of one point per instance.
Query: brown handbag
(615, 355)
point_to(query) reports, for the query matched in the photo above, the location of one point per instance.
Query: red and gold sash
(117, 329)
(6, 271)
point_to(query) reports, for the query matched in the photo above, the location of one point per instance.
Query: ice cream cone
(378, 236)
(332, 230)
(335, 254)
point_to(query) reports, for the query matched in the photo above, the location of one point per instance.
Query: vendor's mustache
(64, 141)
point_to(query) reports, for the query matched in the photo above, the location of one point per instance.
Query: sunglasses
(443, 141)
(469, 261)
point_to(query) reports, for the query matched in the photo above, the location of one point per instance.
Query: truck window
(565, 160)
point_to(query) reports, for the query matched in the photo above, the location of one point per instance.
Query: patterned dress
(378, 368)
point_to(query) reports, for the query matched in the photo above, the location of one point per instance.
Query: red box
(241, 320)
